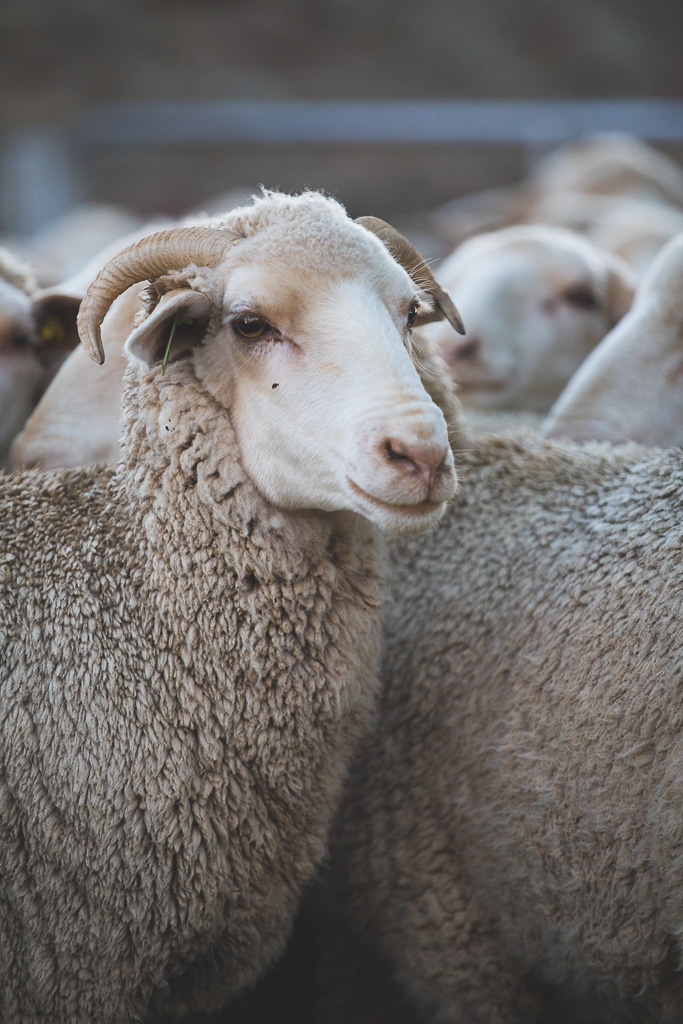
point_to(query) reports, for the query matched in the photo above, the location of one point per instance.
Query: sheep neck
(179, 446)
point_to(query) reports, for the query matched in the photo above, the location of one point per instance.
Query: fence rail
(40, 168)
(406, 121)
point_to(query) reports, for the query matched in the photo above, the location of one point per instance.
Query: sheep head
(37, 330)
(631, 386)
(536, 300)
(300, 324)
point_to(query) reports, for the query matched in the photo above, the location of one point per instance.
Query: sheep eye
(581, 296)
(250, 326)
(19, 340)
(412, 315)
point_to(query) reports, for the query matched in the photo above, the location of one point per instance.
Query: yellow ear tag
(51, 329)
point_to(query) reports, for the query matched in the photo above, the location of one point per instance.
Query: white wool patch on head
(316, 230)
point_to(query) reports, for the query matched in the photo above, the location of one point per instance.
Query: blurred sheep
(37, 331)
(621, 193)
(631, 385)
(62, 247)
(610, 164)
(536, 300)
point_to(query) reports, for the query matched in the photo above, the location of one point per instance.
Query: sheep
(508, 845)
(633, 229)
(59, 249)
(190, 639)
(629, 387)
(536, 300)
(609, 164)
(78, 420)
(37, 330)
(637, 231)
(571, 186)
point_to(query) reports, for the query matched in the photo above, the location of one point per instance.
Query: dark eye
(412, 315)
(582, 296)
(19, 339)
(250, 326)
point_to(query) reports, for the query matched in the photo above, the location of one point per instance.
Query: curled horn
(149, 257)
(407, 255)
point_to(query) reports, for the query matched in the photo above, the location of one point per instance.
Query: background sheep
(59, 249)
(610, 163)
(37, 330)
(629, 388)
(536, 301)
(633, 229)
(622, 194)
(509, 845)
(78, 421)
(189, 641)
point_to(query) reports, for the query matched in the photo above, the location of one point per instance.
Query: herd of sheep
(301, 583)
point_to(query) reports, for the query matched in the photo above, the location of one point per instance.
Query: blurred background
(161, 108)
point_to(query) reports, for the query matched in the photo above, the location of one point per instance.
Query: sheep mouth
(419, 509)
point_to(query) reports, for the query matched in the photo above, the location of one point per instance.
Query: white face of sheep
(535, 303)
(316, 372)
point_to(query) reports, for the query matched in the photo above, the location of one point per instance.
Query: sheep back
(509, 845)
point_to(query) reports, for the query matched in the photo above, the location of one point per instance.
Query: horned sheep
(190, 640)
(508, 847)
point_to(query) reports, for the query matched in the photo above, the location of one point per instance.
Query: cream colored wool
(509, 848)
(184, 671)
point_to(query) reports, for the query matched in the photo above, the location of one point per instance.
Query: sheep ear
(180, 317)
(54, 314)
(620, 290)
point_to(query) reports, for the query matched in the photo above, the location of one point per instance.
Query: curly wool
(509, 849)
(183, 673)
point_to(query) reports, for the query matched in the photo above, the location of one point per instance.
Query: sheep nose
(467, 349)
(416, 460)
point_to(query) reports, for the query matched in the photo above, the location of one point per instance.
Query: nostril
(423, 461)
(395, 456)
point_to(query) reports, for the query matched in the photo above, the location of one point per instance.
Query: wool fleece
(509, 848)
(183, 673)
